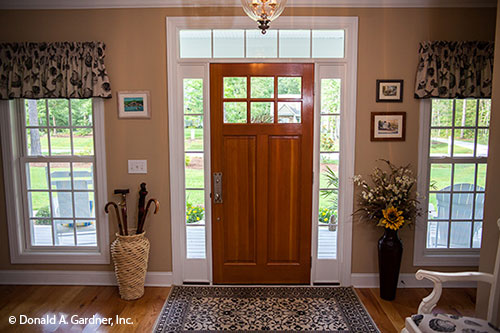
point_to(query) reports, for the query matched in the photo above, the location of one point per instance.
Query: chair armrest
(429, 302)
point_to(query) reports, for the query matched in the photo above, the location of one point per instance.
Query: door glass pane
(37, 176)
(60, 141)
(329, 170)
(484, 112)
(193, 96)
(229, 43)
(83, 141)
(330, 133)
(195, 43)
(460, 234)
(463, 177)
(193, 133)
(465, 112)
(37, 142)
(194, 170)
(327, 242)
(289, 87)
(81, 112)
(481, 176)
(86, 233)
(262, 87)
(440, 142)
(440, 178)
(65, 234)
(442, 112)
(235, 112)
(477, 233)
(439, 206)
(83, 176)
(39, 204)
(328, 43)
(262, 45)
(195, 242)
(289, 112)
(295, 43)
(41, 232)
(36, 112)
(235, 87)
(195, 207)
(482, 142)
(463, 144)
(60, 176)
(437, 234)
(262, 112)
(58, 112)
(330, 96)
(62, 202)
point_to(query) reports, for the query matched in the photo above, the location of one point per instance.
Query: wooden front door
(261, 155)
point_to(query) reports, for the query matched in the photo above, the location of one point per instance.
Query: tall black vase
(390, 250)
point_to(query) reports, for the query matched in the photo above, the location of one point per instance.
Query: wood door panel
(239, 199)
(261, 233)
(283, 219)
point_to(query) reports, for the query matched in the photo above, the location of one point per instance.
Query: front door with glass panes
(262, 158)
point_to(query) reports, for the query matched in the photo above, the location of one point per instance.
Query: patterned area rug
(331, 309)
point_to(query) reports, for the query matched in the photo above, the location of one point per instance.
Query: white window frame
(193, 270)
(21, 251)
(424, 256)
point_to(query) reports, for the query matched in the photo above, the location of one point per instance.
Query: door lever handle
(217, 187)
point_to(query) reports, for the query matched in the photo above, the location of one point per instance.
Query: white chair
(425, 321)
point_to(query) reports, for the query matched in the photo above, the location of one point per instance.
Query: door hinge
(313, 177)
(311, 263)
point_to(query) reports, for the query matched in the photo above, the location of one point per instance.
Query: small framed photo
(389, 91)
(388, 126)
(134, 104)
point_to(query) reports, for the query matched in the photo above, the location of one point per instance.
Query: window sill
(442, 258)
(52, 257)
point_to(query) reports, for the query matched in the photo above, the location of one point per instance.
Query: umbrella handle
(140, 227)
(120, 228)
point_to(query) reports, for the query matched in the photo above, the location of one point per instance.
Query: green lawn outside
(61, 145)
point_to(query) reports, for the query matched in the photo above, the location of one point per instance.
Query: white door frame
(200, 270)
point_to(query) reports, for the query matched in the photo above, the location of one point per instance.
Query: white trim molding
(406, 280)
(83, 278)
(93, 4)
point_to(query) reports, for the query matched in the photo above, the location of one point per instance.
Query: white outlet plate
(137, 166)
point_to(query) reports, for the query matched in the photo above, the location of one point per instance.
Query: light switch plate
(137, 166)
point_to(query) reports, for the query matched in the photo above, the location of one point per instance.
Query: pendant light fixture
(263, 11)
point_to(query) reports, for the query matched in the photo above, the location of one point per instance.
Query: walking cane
(120, 229)
(140, 226)
(123, 205)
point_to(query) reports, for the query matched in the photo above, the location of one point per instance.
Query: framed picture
(134, 104)
(388, 126)
(389, 90)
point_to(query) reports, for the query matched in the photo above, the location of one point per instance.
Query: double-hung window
(54, 174)
(454, 152)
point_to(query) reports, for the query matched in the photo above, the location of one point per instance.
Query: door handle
(217, 187)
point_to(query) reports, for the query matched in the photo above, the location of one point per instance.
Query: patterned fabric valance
(454, 70)
(53, 70)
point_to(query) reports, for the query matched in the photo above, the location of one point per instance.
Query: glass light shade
(263, 11)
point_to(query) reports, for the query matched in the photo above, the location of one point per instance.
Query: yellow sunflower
(392, 218)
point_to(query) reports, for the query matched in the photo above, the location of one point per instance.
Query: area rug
(333, 309)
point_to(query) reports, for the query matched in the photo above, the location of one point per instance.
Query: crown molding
(95, 4)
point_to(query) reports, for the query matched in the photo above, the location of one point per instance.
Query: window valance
(454, 69)
(53, 70)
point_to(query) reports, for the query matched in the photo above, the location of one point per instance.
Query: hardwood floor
(104, 302)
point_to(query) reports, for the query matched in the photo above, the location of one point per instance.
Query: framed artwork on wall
(389, 91)
(134, 104)
(388, 126)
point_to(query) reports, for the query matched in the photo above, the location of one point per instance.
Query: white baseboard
(406, 280)
(86, 278)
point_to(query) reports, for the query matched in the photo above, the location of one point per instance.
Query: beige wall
(492, 199)
(136, 60)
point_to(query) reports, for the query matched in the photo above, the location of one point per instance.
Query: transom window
(458, 150)
(57, 163)
(276, 43)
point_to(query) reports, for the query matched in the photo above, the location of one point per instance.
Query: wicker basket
(130, 255)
